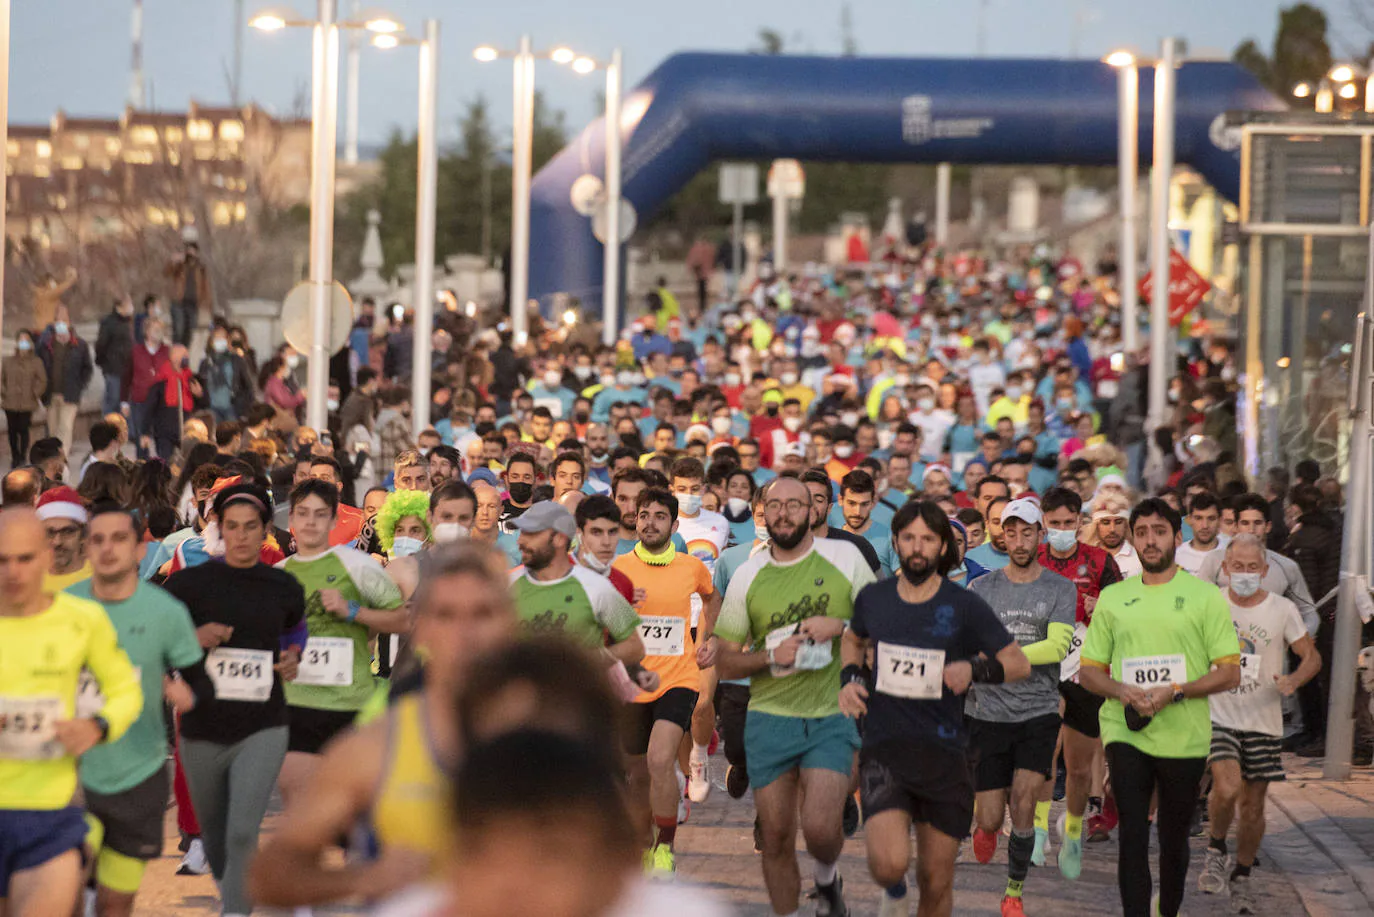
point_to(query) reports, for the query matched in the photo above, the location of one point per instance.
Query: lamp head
(1120, 59)
(1342, 73)
(385, 40)
(1302, 91)
(379, 21)
(562, 55)
(583, 65)
(486, 54)
(272, 19)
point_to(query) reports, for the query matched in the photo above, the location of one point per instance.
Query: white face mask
(445, 532)
(582, 372)
(332, 403)
(792, 424)
(1245, 584)
(926, 404)
(732, 378)
(689, 504)
(593, 563)
(760, 531)
(1014, 392)
(844, 450)
(553, 378)
(720, 424)
(293, 360)
(850, 418)
(625, 378)
(788, 378)
(404, 546)
(737, 505)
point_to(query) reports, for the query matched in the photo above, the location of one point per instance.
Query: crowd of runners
(899, 543)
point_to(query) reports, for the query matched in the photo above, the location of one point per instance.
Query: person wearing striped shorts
(1247, 721)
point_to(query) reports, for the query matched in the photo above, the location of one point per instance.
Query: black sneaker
(830, 899)
(1059, 788)
(851, 816)
(736, 781)
(1314, 749)
(1362, 757)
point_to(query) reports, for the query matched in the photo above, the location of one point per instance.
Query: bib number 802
(1153, 676)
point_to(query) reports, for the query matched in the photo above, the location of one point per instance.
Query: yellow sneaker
(664, 866)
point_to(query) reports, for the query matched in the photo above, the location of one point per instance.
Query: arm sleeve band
(1053, 648)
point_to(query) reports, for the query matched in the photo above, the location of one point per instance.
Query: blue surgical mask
(760, 531)
(404, 546)
(59, 327)
(689, 504)
(23, 345)
(1062, 540)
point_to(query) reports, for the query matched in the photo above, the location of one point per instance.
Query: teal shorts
(775, 745)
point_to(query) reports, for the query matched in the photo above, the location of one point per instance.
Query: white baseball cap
(1025, 510)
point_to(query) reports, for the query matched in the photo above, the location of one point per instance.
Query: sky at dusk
(74, 54)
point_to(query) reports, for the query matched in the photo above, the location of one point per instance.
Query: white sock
(304, 912)
(826, 872)
(699, 752)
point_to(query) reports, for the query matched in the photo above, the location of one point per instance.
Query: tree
(848, 46)
(1301, 51)
(770, 42)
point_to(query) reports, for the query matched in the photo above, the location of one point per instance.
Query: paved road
(716, 851)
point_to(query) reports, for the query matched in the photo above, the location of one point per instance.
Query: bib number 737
(1153, 671)
(910, 672)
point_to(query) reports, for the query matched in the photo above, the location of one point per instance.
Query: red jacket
(143, 371)
(178, 382)
(1091, 569)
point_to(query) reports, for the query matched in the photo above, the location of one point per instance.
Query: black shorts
(133, 819)
(312, 729)
(676, 706)
(1080, 709)
(932, 784)
(998, 750)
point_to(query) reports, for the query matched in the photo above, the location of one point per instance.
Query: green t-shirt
(1139, 627)
(582, 605)
(768, 598)
(326, 683)
(156, 633)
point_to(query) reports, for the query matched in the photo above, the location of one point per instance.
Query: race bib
(663, 635)
(326, 662)
(242, 675)
(27, 728)
(772, 642)
(1108, 389)
(1249, 668)
(555, 406)
(89, 700)
(911, 672)
(1153, 671)
(1068, 668)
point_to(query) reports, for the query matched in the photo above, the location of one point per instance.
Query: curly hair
(398, 505)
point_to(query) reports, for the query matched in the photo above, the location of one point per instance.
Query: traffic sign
(1186, 288)
(739, 183)
(786, 179)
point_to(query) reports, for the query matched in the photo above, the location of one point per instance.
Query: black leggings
(732, 703)
(1135, 777)
(17, 424)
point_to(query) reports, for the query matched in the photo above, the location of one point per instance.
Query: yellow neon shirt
(411, 810)
(41, 656)
(57, 582)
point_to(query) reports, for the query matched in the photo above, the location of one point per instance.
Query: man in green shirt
(348, 599)
(1157, 646)
(125, 782)
(780, 624)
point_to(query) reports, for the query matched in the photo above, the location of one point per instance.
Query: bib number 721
(910, 672)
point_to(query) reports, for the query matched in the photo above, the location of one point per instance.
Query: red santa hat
(62, 503)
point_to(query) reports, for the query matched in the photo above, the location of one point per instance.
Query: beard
(537, 560)
(1165, 561)
(787, 540)
(655, 546)
(917, 568)
(1016, 557)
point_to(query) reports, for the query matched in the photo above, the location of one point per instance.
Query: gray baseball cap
(547, 515)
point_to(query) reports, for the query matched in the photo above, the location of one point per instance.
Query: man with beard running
(1157, 647)
(1013, 729)
(783, 615)
(931, 640)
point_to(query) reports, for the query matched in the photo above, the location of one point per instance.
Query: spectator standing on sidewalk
(225, 377)
(23, 380)
(189, 293)
(147, 359)
(114, 350)
(67, 360)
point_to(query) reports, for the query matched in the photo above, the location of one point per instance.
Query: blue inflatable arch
(697, 108)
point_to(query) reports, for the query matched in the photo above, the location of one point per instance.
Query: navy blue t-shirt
(954, 620)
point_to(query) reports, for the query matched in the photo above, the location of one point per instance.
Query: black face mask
(582, 417)
(772, 410)
(521, 491)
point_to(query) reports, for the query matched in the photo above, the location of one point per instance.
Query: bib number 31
(327, 662)
(1153, 671)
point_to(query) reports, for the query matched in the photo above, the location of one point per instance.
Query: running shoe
(736, 781)
(895, 907)
(1071, 858)
(1215, 866)
(830, 899)
(194, 863)
(648, 862)
(684, 804)
(1042, 843)
(1012, 907)
(851, 816)
(1241, 900)
(984, 845)
(699, 786)
(665, 867)
(1095, 829)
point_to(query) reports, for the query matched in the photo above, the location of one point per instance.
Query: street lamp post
(4, 144)
(1128, 163)
(610, 281)
(1160, 175)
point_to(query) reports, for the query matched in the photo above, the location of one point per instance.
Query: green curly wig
(398, 505)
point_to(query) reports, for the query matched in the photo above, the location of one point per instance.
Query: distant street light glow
(1342, 73)
(380, 21)
(570, 317)
(1120, 59)
(584, 65)
(269, 20)
(1348, 91)
(562, 55)
(486, 54)
(1302, 90)
(386, 41)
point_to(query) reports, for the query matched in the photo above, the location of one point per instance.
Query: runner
(47, 639)
(783, 612)
(1204, 516)
(858, 496)
(598, 531)
(393, 773)
(931, 640)
(1156, 648)
(822, 491)
(626, 487)
(991, 554)
(64, 517)
(1247, 721)
(1014, 729)
(250, 618)
(678, 653)
(554, 595)
(125, 782)
(706, 534)
(1091, 570)
(1111, 513)
(349, 598)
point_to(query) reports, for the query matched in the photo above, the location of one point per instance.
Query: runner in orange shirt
(658, 720)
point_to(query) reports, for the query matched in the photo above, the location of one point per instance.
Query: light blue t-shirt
(985, 555)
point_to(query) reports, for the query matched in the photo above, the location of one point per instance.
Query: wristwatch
(103, 725)
(1178, 693)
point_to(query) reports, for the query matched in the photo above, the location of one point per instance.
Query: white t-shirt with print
(1265, 631)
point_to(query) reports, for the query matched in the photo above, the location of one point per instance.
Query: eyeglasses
(792, 506)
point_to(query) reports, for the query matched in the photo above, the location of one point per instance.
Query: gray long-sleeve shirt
(1284, 578)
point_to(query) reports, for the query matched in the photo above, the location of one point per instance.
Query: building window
(42, 170)
(240, 212)
(112, 145)
(173, 135)
(143, 134)
(200, 129)
(73, 163)
(43, 148)
(231, 130)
